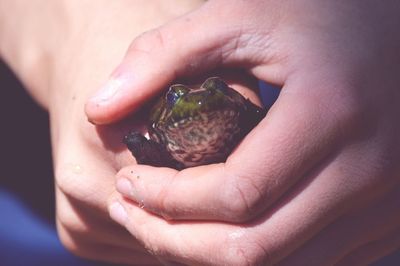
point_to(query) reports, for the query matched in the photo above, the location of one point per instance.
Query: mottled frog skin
(194, 126)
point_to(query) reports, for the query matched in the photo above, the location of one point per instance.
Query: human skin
(63, 51)
(317, 182)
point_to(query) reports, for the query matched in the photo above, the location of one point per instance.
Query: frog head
(181, 102)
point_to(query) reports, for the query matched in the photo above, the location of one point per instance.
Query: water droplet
(141, 204)
(77, 169)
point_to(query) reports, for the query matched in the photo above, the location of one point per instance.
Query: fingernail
(118, 213)
(115, 85)
(124, 186)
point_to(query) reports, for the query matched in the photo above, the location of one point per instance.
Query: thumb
(200, 41)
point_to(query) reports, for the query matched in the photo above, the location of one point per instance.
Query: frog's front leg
(149, 152)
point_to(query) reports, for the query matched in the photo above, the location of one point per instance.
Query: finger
(82, 221)
(326, 194)
(373, 228)
(81, 192)
(78, 156)
(183, 47)
(299, 217)
(187, 243)
(295, 136)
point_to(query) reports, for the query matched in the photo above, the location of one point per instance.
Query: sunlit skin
(316, 182)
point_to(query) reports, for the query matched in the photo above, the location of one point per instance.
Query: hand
(61, 65)
(317, 181)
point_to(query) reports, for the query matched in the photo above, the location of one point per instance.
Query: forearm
(42, 40)
(27, 32)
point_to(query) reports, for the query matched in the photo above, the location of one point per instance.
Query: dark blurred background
(27, 205)
(25, 148)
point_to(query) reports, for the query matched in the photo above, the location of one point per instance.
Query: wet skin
(194, 126)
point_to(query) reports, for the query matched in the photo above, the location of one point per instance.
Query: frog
(194, 125)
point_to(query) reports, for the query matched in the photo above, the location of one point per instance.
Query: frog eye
(215, 84)
(174, 93)
(172, 97)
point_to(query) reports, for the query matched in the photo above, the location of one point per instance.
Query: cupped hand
(62, 51)
(317, 181)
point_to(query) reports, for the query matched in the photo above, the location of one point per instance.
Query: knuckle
(156, 244)
(66, 181)
(154, 248)
(344, 111)
(75, 185)
(166, 203)
(87, 247)
(69, 221)
(74, 207)
(240, 44)
(244, 252)
(241, 198)
(72, 245)
(148, 41)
